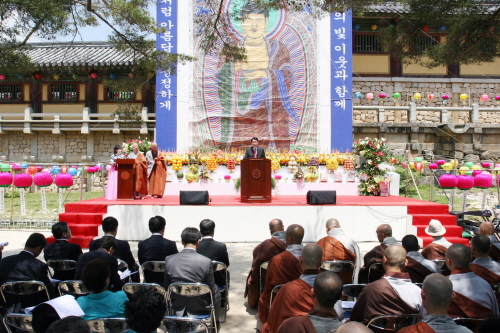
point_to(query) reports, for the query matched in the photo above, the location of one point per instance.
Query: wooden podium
(125, 179)
(255, 180)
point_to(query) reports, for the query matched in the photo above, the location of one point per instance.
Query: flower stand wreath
(372, 153)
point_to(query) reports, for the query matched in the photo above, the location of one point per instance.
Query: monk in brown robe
(488, 229)
(140, 172)
(262, 253)
(436, 297)
(384, 236)
(482, 265)
(392, 294)
(326, 292)
(337, 246)
(473, 297)
(436, 249)
(283, 268)
(157, 171)
(417, 266)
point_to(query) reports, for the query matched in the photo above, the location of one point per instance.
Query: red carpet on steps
(85, 217)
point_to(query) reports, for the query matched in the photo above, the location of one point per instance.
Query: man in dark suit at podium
(255, 151)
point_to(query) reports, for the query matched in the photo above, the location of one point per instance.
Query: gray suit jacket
(188, 266)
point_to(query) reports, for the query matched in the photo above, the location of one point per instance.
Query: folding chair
(224, 290)
(262, 280)
(274, 292)
(108, 325)
(339, 266)
(353, 290)
(195, 290)
(173, 324)
(377, 267)
(470, 323)
(393, 323)
(75, 288)
(18, 321)
(62, 265)
(123, 266)
(442, 265)
(151, 270)
(130, 288)
(23, 294)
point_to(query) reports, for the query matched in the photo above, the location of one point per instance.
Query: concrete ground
(240, 318)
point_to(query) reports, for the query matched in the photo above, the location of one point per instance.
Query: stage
(242, 222)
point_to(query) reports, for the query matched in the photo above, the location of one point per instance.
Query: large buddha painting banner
(272, 95)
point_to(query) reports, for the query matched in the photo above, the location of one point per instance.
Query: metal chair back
(470, 323)
(122, 265)
(62, 265)
(274, 292)
(18, 321)
(339, 266)
(23, 288)
(353, 290)
(393, 323)
(263, 267)
(419, 284)
(224, 290)
(108, 325)
(75, 288)
(172, 324)
(131, 288)
(377, 266)
(154, 266)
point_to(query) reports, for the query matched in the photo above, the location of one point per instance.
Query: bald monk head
(327, 290)
(383, 231)
(480, 246)
(332, 223)
(458, 256)
(394, 258)
(276, 225)
(294, 234)
(487, 229)
(436, 294)
(353, 327)
(312, 256)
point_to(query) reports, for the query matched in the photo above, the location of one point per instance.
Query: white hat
(435, 228)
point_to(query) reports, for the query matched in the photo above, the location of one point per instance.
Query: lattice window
(63, 92)
(10, 93)
(366, 43)
(421, 43)
(488, 45)
(120, 96)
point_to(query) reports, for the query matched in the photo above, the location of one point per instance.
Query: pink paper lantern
(43, 179)
(465, 182)
(448, 181)
(278, 177)
(430, 97)
(64, 180)
(382, 95)
(440, 162)
(483, 180)
(476, 172)
(16, 167)
(91, 170)
(39, 168)
(433, 166)
(369, 96)
(6, 179)
(485, 164)
(484, 97)
(23, 180)
(97, 168)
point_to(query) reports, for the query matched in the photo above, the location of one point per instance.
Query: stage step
(84, 220)
(81, 218)
(430, 209)
(445, 219)
(84, 229)
(454, 240)
(451, 230)
(77, 207)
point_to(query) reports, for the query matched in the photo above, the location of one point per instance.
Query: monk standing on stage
(283, 268)
(337, 246)
(157, 171)
(262, 253)
(140, 172)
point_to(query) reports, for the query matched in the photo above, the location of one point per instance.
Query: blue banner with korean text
(166, 82)
(341, 80)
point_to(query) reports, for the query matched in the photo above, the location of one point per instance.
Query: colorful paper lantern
(469, 164)
(56, 77)
(419, 166)
(55, 170)
(484, 97)
(23, 180)
(483, 180)
(374, 27)
(356, 27)
(448, 181)
(418, 159)
(112, 76)
(442, 28)
(440, 162)
(37, 76)
(476, 167)
(463, 97)
(358, 95)
(447, 166)
(277, 177)
(417, 96)
(32, 170)
(476, 172)
(445, 97)
(93, 75)
(465, 182)
(463, 170)
(64, 169)
(369, 96)
(396, 95)
(382, 95)
(4, 167)
(16, 167)
(425, 28)
(497, 98)
(430, 97)
(24, 166)
(64, 180)
(486, 164)
(43, 179)
(433, 166)
(227, 177)
(20, 76)
(6, 179)
(72, 171)
(75, 76)
(91, 170)
(39, 168)
(2, 77)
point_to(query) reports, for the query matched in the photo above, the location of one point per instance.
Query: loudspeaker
(321, 197)
(194, 197)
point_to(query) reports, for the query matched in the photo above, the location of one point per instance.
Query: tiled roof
(78, 54)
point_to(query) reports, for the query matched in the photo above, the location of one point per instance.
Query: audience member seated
(106, 247)
(155, 248)
(393, 294)
(25, 267)
(326, 292)
(483, 266)
(43, 315)
(61, 249)
(262, 253)
(188, 266)
(488, 229)
(71, 324)
(384, 236)
(473, 297)
(437, 292)
(489, 325)
(353, 327)
(417, 266)
(282, 268)
(101, 303)
(145, 310)
(337, 246)
(436, 249)
(212, 249)
(122, 250)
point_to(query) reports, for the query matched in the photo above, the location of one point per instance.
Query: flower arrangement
(299, 175)
(143, 145)
(371, 168)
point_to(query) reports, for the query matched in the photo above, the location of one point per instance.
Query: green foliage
(128, 113)
(403, 173)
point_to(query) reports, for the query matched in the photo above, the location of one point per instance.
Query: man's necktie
(255, 152)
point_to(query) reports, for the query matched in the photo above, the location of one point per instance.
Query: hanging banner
(341, 84)
(166, 81)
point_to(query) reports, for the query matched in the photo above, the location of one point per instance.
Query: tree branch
(23, 43)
